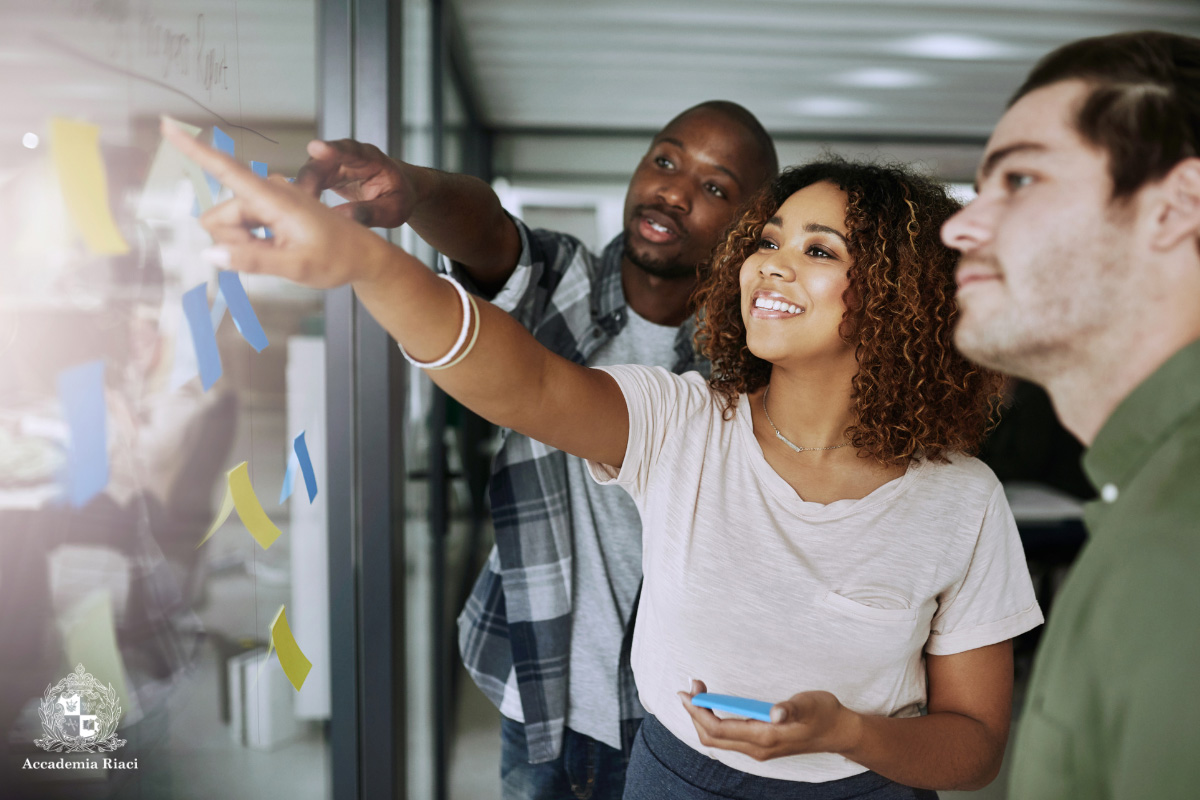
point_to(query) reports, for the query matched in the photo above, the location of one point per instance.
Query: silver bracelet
(462, 335)
(466, 351)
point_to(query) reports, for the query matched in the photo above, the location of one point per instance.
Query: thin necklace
(786, 440)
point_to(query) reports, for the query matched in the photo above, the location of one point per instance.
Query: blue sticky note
(81, 391)
(240, 309)
(204, 340)
(217, 314)
(224, 142)
(289, 479)
(310, 479)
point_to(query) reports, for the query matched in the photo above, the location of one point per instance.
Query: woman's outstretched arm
(508, 377)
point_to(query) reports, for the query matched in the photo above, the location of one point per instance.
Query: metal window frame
(358, 97)
(360, 67)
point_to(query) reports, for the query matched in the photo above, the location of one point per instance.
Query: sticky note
(166, 193)
(239, 494)
(224, 142)
(310, 479)
(299, 458)
(75, 149)
(295, 665)
(217, 314)
(240, 309)
(81, 392)
(204, 339)
(289, 478)
(222, 515)
(249, 509)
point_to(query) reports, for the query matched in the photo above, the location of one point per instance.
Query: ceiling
(571, 87)
(937, 71)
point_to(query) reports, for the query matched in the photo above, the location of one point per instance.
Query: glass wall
(447, 448)
(137, 386)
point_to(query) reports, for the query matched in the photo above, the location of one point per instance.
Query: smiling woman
(878, 235)
(829, 449)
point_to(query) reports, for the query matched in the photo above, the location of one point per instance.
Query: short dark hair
(768, 158)
(1144, 106)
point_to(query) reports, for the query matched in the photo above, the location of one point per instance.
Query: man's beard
(658, 267)
(1037, 335)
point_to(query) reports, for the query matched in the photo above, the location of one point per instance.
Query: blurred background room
(117, 444)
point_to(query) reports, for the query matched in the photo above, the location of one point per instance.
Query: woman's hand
(310, 244)
(958, 744)
(809, 722)
(508, 378)
(380, 195)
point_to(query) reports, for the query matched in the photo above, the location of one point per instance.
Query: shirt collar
(1147, 416)
(610, 312)
(608, 300)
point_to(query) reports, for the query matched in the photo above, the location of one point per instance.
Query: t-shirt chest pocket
(867, 636)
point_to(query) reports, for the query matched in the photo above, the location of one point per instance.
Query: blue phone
(742, 706)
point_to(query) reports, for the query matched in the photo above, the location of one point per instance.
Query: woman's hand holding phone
(809, 722)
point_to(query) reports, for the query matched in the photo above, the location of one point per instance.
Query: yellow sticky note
(249, 509)
(295, 664)
(222, 515)
(75, 148)
(239, 494)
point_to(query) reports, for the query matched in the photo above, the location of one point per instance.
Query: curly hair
(914, 395)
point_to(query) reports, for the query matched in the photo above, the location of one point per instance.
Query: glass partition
(133, 387)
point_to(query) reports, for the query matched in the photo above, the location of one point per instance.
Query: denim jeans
(662, 767)
(586, 769)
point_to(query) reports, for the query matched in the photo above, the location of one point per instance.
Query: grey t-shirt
(607, 537)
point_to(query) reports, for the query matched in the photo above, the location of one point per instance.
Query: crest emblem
(80, 716)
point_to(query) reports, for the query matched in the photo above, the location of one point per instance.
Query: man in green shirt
(1080, 271)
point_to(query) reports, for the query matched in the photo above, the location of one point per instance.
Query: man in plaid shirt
(545, 631)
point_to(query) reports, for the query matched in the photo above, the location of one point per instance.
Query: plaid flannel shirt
(519, 613)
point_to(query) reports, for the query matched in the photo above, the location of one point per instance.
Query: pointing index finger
(229, 172)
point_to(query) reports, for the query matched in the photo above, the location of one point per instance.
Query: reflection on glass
(113, 456)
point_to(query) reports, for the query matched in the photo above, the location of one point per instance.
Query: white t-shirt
(761, 594)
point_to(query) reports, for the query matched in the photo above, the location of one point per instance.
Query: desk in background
(1050, 523)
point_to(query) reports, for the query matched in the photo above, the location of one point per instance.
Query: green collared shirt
(1113, 709)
